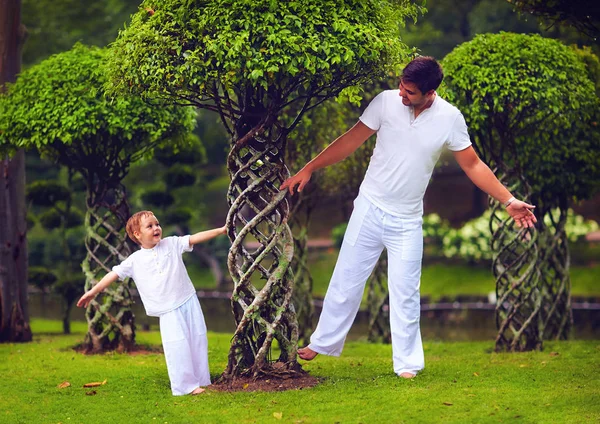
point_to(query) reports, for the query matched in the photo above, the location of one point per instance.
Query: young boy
(168, 293)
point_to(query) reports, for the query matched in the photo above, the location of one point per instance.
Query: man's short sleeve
(124, 269)
(459, 136)
(373, 114)
(184, 244)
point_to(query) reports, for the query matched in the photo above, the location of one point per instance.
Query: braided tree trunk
(378, 303)
(518, 279)
(109, 316)
(555, 260)
(259, 211)
(303, 282)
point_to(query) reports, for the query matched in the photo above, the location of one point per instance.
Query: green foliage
(60, 108)
(337, 234)
(70, 288)
(578, 13)
(197, 51)
(179, 176)
(592, 64)
(41, 277)
(54, 26)
(47, 193)
(157, 198)
(531, 108)
(178, 216)
(472, 241)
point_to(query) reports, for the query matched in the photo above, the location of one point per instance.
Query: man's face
(411, 95)
(149, 233)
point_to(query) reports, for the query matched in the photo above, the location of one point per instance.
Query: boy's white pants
(370, 230)
(183, 333)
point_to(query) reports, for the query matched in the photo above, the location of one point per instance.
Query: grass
(462, 383)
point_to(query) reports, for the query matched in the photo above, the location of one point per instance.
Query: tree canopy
(197, 51)
(60, 108)
(529, 103)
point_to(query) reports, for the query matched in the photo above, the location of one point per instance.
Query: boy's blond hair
(133, 224)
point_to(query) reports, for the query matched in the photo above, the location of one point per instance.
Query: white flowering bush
(471, 242)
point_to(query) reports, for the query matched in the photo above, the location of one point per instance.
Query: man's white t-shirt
(160, 275)
(407, 149)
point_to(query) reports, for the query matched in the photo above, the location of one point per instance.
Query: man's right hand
(300, 180)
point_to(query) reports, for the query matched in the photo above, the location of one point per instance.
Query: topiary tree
(532, 113)
(60, 108)
(251, 61)
(580, 14)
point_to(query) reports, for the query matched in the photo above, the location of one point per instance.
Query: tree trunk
(378, 303)
(518, 279)
(14, 314)
(259, 211)
(109, 316)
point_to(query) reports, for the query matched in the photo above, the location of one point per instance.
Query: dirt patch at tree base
(266, 384)
(137, 350)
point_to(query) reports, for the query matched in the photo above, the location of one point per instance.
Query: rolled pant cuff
(322, 351)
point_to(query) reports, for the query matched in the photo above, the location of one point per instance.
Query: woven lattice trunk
(110, 318)
(518, 278)
(378, 303)
(262, 276)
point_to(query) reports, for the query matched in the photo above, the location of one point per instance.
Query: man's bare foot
(407, 375)
(307, 353)
(197, 391)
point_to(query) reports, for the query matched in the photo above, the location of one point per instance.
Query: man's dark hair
(425, 72)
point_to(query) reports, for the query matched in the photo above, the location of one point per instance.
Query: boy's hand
(85, 300)
(223, 229)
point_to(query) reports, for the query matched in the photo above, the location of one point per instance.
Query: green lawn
(462, 383)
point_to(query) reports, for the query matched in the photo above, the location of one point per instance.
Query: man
(413, 125)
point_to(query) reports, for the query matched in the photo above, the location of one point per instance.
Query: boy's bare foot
(407, 375)
(197, 391)
(307, 353)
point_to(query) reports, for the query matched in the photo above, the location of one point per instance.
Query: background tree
(532, 113)
(54, 26)
(584, 15)
(250, 61)
(55, 202)
(59, 107)
(14, 314)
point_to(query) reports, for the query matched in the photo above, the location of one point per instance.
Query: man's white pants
(370, 230)
(183, 334)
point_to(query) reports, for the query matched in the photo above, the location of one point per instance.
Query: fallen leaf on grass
(245, 386)
(554, 354)
(91, 393)
(278, 415)
(95, 384)
(447, 403)
(64, 385)
(476, 374)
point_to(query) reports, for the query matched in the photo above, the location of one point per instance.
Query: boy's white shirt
(407, 149)
(160, 275)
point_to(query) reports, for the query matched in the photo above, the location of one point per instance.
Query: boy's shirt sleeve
(124, 269)
(183, 243)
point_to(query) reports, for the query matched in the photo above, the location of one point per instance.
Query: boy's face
(149, 233)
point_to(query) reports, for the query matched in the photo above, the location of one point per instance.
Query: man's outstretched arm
(483, 177)
(337, 151)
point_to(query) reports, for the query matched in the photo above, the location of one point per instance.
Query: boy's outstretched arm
(203, 236)
(89, 295)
